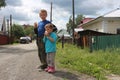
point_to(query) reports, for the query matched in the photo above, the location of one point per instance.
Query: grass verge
(97, 64)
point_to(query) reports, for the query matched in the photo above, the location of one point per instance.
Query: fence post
(63, 41)
(90, 44)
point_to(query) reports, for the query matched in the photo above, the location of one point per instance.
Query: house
(107, 23)
(64, 32)
(4, 39)
(80, 28)
(85, 20)
(64, 36)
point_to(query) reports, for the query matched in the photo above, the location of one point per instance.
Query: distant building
(64, 32)
(79, 27)
(25, 26)
(85, 20)
(4, 39)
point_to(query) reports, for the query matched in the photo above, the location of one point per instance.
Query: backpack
(55, 28)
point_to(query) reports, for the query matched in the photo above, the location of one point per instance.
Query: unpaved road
(18, 62)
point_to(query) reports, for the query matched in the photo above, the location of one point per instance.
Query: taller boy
(40, 29)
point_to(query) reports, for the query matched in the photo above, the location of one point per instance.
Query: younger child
(49, 39)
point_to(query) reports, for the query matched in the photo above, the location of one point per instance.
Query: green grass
(97, 64)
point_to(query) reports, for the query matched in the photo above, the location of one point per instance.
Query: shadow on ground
(15, 50)
(66, 75)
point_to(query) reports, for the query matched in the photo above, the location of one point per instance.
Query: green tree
(17, 31)
(78, 19)
(2, 3)
(29, 31)
(69, 25)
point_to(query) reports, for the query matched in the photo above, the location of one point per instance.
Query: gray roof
(114, 13)
(62, 32)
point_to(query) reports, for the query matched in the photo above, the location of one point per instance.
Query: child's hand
(35, 25)
(46, 33)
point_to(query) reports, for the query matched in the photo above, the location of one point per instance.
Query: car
(24, 40)
(30, 40)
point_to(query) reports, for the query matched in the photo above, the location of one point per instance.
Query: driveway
(19, 61)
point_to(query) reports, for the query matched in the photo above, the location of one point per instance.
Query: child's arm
(35, 28)
(53, 38)
(50, 38)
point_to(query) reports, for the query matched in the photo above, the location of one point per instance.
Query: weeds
(97, 64)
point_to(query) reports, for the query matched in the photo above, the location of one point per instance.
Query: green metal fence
(104, 42)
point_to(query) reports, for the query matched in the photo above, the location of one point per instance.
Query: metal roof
(63, 32)
(114, 13)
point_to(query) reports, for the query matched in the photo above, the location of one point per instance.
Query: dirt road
(19, 61)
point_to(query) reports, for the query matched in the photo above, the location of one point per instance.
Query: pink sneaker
(51, 70)
(46, 69)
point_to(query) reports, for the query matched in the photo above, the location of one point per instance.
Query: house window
(118, 30)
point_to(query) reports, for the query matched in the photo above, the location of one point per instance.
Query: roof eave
(92, 21)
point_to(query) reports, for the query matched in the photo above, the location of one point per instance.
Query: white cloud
(60, 19)
(26, 11)
(14, 2)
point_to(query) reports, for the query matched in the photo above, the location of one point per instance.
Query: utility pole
(73, 25)
(11, 27)
(51, 12)
(8, 31)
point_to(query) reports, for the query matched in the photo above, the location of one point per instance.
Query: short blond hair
(43, 11)
(49, 25)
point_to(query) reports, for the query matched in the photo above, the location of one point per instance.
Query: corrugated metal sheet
(104, 42)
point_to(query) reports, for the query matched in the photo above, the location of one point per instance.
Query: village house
(3, 32)
(107, 23)
(80, 28)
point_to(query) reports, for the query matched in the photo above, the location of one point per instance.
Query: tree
(69, 25)
(2, 3)
(17, 31)
(78, 19)
(29, 31)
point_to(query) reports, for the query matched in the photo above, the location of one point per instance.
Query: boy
(39, 29)
(49, 39)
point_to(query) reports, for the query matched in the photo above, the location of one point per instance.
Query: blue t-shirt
(50, 46)
(41, 27)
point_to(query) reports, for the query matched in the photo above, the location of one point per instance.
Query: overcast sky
(26, 11)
